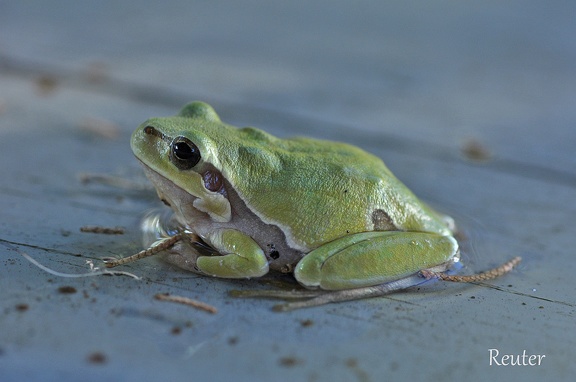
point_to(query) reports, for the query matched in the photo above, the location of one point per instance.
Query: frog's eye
(183, 153)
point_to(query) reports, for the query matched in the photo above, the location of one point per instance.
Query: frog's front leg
(373, 258)
(241, 256)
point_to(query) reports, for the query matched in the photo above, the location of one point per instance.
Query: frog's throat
(183, 198)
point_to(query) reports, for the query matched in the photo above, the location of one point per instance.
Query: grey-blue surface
(413, 82)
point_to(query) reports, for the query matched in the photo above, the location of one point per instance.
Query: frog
(245, 203)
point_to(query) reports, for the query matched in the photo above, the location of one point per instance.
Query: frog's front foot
(242, 258)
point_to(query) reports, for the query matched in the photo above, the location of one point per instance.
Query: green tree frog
(247, 202)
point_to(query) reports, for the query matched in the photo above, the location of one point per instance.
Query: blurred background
(470, 104)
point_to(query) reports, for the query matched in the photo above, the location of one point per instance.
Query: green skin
(329, 212)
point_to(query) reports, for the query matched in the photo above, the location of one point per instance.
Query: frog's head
(180, 156)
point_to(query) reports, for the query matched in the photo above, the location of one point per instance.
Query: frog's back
(317, 191)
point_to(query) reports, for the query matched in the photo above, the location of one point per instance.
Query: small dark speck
(351, 362)
(22, 307)
(274, 255)
(67, 290)
(176, 330)
(46, 84)
(523, 303)
(475, 151)
(97, 358)
(232, 340)
(345, 191)
(472, 297)
(510, 285)
(540, 307)
(306, 323)
(289, 361)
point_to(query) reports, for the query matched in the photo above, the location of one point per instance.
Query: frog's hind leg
(373, 258)
(319, 297)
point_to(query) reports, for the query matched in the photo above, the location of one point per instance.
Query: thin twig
(161, 246)
(186, 301)
(103, 230)
(488, 275)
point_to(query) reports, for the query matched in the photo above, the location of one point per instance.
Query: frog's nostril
(150, 130)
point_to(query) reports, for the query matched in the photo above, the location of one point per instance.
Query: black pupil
(183, 151)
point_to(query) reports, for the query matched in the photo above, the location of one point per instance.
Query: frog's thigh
(243, 256)
(373, 258)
